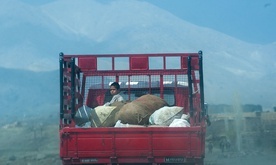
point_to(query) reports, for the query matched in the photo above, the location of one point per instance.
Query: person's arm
(120, 98)
(115, 98)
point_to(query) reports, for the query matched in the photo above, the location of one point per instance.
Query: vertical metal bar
(175, 83)
(191, 106)
(150, 84)
(201, 85)
(162, 78)
(128, 86)
(73, 86)
(83, 86)
(61, 61)
(113, 63)
(162, 86)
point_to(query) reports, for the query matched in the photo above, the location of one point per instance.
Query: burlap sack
(138, 111)
(104, 116)
(112, 118)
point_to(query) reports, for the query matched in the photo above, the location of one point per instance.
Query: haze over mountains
(33, 36)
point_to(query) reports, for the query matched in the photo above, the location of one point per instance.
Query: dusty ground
(257, 140)
(255, 157)
(29, 143)
(33, 143)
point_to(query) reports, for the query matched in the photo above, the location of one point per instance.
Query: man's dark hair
(116, 85)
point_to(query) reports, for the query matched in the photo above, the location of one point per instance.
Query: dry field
(29, 143)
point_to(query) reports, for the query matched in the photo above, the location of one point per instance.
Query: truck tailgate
(135, 144)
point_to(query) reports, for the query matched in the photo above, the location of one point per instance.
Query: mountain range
(33, 36)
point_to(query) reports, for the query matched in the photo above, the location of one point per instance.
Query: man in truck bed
(115, 93)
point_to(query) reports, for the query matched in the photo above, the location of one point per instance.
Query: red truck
(175, 77)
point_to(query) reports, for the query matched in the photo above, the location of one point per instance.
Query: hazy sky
(252, 21)
(249, 20)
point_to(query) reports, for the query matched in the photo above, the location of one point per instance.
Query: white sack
(179, 123)
(120, 124)
(182, 122)
(165, 115)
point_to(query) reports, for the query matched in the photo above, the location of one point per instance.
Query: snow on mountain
(33, 36)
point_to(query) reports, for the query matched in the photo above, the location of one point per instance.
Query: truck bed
(175, 77)
(136, 144)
